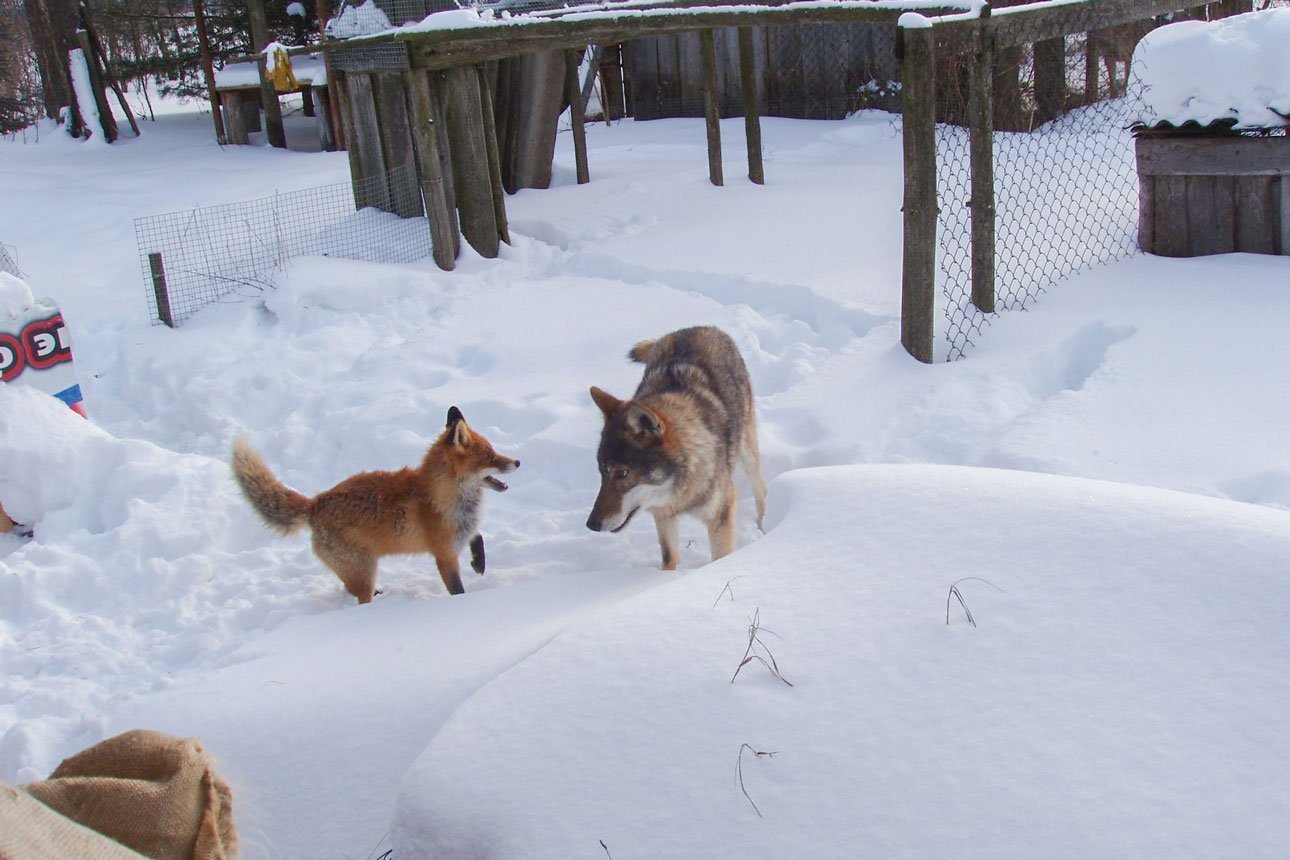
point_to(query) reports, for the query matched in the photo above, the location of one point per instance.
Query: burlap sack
(152, 792)
(30, 830)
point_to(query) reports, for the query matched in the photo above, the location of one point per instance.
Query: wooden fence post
(573, 93)
(918, 99)
(711, 105)
(160, 290)
(981, 150)
(486, 84)
(1050, 79)
(1090, 68)
(752, 110)
(425, 137)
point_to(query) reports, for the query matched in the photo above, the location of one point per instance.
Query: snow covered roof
(306, 68)
(1234, 71)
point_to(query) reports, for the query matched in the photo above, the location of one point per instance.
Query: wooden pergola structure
(432, 105)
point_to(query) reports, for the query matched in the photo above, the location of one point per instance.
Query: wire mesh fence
(7, 263)
(226, 253)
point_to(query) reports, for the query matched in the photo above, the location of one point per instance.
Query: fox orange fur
(435, 508)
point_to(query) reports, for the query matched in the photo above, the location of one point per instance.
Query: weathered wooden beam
(573, 94)
(367, 167)
(389, 92)
(234, 124)
(425, 137)
(486, 85)
(326, 130)
(446, 48)
(1257, 218)
(472, 179)
(1176, 155)
(1211, 215)
(1050, 79)
(1147, 214)
(918, 275)
(981, 154)
(752, 108)
(1170, 226)
(1283, 192)
(1090, 67)
(711, 107)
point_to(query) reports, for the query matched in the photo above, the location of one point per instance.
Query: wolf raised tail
(642, 351)
(282, 508)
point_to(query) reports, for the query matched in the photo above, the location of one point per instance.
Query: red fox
(434, 508)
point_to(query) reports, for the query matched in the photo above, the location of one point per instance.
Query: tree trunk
(52, 44)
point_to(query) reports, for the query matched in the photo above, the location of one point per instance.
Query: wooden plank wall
(1213, 195)
(813, 71)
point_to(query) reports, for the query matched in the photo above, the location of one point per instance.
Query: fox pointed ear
(458, 434)
(646, 425)
(608, 403)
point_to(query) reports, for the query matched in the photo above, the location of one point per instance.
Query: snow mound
(1121, 695)
(1235, 68)
(144, 562)
(354, 21)
(15, 296)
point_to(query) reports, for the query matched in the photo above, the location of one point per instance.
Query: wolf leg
(721, 528)
(477, 553)
(667, 540)
(750, 459)
(450, 572)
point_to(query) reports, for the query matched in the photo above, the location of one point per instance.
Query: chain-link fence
(1064, 170)
(225, 253)
(1066, 189)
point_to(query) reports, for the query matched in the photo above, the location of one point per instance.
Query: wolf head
(469, 455)
(636, 465)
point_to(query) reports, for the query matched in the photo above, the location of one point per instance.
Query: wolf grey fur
(673, 447)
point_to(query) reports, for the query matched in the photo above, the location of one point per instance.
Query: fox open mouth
(494, 484)
(624, 523)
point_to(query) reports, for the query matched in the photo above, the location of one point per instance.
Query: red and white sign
(36, 350)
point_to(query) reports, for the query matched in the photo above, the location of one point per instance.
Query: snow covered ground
(1118, 697)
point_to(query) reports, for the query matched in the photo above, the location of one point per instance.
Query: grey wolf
(671, 449)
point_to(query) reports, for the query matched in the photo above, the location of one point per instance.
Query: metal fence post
(918, 108)
(981, 150)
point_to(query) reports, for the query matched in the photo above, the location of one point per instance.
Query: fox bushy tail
(282, 508)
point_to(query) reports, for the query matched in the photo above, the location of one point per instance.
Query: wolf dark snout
(594, 523)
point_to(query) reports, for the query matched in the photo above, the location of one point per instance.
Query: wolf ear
(645, 424)
(608, 403)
